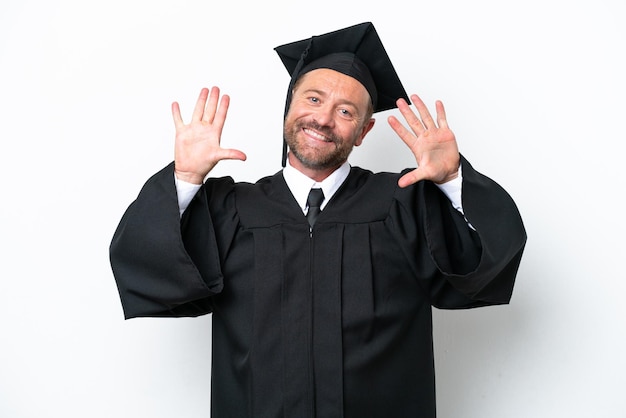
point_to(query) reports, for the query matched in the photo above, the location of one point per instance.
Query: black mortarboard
(356, 51)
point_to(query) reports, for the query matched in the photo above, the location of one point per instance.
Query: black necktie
(315, 199)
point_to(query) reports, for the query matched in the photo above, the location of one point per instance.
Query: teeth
(316, 135)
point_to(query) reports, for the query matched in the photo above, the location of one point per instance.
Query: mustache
(323, 129)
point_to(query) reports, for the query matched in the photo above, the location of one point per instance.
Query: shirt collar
(300, 184)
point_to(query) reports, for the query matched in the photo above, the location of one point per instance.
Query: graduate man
(326, 315)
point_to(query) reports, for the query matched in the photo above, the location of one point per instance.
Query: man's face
(327, 117)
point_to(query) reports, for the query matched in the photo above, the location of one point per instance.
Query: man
(326, 317)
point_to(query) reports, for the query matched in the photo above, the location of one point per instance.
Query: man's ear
(366, 128)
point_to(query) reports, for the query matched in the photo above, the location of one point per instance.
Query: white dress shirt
(299, 185)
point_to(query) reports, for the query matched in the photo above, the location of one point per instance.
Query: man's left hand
(433, 143)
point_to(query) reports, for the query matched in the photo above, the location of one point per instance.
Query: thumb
(231, 154)
(411, 177)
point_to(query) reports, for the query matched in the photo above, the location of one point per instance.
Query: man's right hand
(197, 145)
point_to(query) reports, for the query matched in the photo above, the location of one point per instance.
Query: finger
(427, 120)
(404, 134)
(231, 154)
(411, 118)
(220, 116)
(198, 111)
(442, 121)
(410, 178)
(209, 111)
(178, 120)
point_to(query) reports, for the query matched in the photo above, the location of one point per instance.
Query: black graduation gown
(336, 323)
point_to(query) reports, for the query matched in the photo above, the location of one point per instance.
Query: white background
(534, 91)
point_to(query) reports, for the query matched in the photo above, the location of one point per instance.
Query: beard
(315, 158)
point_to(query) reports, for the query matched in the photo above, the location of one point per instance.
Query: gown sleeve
(153, 269)
(478, 261)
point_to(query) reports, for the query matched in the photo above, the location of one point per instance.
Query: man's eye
(314, 100)
(345, 112)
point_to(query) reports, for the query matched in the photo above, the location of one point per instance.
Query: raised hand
(433, 144)
(197, 146)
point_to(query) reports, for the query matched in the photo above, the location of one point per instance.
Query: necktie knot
(316, 197)
(314, 201)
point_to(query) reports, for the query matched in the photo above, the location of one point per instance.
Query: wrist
(448, 178)
(452, 174)
(192, 178)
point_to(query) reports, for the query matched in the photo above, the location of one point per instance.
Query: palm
(197, 145)
(433, 143)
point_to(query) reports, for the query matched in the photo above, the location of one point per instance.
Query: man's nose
(325, 116)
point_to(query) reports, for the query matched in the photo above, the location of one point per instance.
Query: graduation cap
(356, 51)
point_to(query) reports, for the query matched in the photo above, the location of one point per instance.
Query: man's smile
(316, 135)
